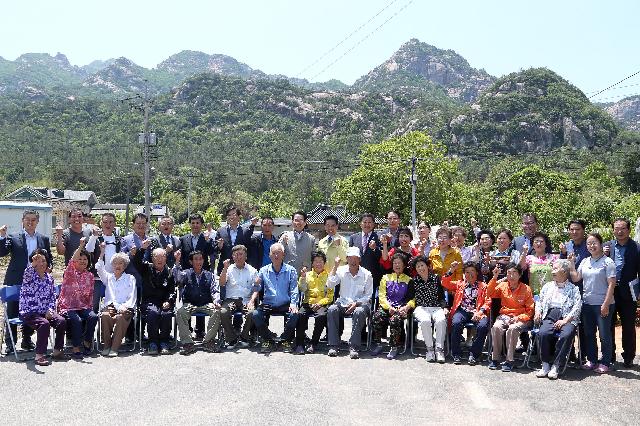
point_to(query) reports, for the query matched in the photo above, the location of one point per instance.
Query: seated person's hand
(166, 306)
(350, 308)
(111, 310)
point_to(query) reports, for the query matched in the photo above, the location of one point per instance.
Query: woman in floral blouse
(76, 301)
(38, 307)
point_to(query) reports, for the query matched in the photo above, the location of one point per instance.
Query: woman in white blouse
(119, 301)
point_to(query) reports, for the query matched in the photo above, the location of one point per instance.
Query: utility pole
(189, 176)
(414, 181)
(126, 214)
(145, 153)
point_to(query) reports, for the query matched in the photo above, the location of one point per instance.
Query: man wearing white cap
(356, 288)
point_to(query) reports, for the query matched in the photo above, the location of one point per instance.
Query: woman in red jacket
(470, 304)
(516, 313)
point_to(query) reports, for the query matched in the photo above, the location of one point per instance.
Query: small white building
(11, 215)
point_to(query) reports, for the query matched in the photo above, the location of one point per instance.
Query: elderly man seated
(238, 278)
(279, 284)
(201, 294)
(356, 288)
(158, 296)
(557, 311)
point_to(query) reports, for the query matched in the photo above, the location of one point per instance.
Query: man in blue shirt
(577, 245)
(279, 285)
(261, 243)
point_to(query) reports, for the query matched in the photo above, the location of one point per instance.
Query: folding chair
(534, 344)
(12, 294)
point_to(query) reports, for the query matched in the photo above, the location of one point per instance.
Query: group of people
(238, 278)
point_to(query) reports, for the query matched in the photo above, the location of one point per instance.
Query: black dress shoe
(7, 350)
(628, 363)
(27, 345)
(199, 337)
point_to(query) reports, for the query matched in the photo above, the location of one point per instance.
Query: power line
(619, 97)
(324, 55)
(618, 87)
(363, 39)
(615, 84)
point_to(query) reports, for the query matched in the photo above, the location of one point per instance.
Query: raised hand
(95, 231)
(208, 232)
(177, 256)
(454, 266)
(146, 243)
(255, 220)
(3, 231)
(563, 248)
(337, 260)
(226, 263)
(83, 242)
(372, 245)
(220, 242)
(303, 271)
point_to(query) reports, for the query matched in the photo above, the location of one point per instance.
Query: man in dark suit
(204, 243)
(626, 254)
(370, 247)
(394, 221)
(258, 254)
(166, 240)
(20, 245)
(233, 234)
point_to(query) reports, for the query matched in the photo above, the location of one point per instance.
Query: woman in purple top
(38, 307)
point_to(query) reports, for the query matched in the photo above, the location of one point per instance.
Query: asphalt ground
(245, 387)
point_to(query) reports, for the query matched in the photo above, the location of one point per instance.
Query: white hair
(276, 246)
(158, 252)
(120, 257)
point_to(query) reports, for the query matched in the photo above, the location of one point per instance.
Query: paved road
(246, 387)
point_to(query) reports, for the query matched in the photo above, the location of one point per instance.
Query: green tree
(381, 181)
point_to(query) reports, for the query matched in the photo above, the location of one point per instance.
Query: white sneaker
(544, 371)
(105, 351)
(393, 353)
(553, 373)
(440, 356)
(431, 355)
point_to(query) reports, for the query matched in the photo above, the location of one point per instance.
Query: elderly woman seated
(515, 314)
(119, 302)
(37, 306)
(558, 309)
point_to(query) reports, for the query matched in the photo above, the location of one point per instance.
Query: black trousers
(555, 349)
(320, 322)
(626, 310)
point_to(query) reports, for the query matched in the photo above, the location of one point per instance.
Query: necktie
(365, 240)
(330, 239)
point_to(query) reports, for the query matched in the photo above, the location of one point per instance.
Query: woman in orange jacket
(516, 313)
(470, 304)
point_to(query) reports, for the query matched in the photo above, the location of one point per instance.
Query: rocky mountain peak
(626, 112)
(416, 64)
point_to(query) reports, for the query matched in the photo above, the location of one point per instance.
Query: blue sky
(591, 43)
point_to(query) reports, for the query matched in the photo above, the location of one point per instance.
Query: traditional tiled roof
(321, 211)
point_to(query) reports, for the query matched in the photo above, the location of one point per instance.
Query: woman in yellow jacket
(516, 313)
(396, 297)
(313, 285)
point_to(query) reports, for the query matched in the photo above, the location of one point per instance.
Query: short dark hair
(421, 258)
(86, 254)
(195, 253)
(489, 233)
(531, 215)
(369, 215)
(406, 231)
(38, 251)
(140, 216)
(474, 265)
(75, 209)
(596, 236)
(196, 216)
(110, 214)
(167, 217)
(622, 219)
(30, 211)
(544, 236)
(394, 211)
(425, 224)
(331, 217)
(232, 208)
(318, 254)
(580, 222)
(267, 218)
(505, 231)
(301, 213)
(515, 266)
